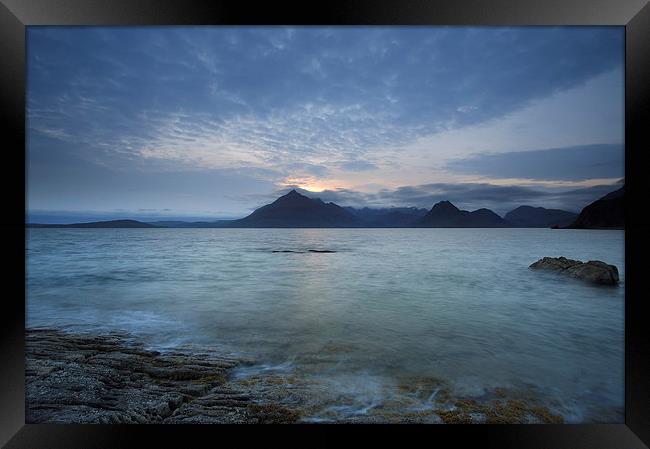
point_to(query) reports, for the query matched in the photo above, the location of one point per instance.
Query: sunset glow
(311, 184)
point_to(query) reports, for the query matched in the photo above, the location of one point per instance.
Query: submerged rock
(309, 251)
(593, 270)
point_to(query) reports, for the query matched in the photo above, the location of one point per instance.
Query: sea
(354, 324)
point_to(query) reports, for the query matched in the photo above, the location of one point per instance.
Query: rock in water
(594, 270)
(555, 263)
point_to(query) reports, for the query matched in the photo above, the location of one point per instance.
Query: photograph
(319, 224)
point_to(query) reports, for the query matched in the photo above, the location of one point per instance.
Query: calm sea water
(347, 331)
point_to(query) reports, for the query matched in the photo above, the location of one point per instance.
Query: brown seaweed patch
(512, 411)
(544, 415)
(218, 379)
(274, 414)
(454, 417)
(500, 392)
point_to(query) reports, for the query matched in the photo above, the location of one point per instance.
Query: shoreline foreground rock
(593, 271)
(112, 378)
(91, 379)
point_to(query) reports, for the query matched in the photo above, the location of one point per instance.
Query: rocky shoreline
(83, 378)
(80, 378)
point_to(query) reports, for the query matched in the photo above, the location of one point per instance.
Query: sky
(213, 122)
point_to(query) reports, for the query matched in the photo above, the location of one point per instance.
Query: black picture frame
(15, 15)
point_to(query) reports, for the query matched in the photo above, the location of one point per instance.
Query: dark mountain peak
(606, 212)
(293, 198)
(293, 194)
(294, 210)
(122, 222)
(444, 206)
(484, 212)
(539, 217)
(445, 215)
(615, 194)
(486, 218)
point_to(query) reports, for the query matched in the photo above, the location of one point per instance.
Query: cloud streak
(568, 163)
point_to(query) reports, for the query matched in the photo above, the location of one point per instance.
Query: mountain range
(446, 215)
(392, 217)
(528, 216)
(295, 210)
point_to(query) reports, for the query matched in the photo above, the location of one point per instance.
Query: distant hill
(393, 217)
(193, 224)
(97, 224)
(294, 210)
(445, 215)
(606, 212)
(539, 217)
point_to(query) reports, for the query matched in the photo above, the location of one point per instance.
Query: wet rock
(498, 411)
(555, 263)
(592, 271)
(275, 414)
(116, 382)
(73, 378)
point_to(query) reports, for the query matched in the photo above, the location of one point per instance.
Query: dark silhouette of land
(607, 212)
(393, 217)
(295, 210)
(446, 215)
(98, 224)
(539, 217)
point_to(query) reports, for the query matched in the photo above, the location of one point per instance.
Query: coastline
(112, 379)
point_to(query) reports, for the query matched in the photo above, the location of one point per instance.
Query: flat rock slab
(78, 378)
(592, 271)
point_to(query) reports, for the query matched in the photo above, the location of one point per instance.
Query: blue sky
(211, 122)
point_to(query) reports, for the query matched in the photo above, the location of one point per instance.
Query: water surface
(375, 324)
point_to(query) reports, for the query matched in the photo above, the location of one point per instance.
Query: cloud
(591, 113)
(309, 138)
(311, 169)
(356, 165)
(469, 196)
(569, 163)
(373, 84)
(332, 107)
